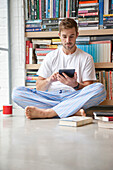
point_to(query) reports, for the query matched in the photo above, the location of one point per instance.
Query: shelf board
(97, 65)
(52, 34)
(32, 66)
(104, 65)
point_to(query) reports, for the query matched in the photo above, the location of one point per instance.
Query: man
(57, 95)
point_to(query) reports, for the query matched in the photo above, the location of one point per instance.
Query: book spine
(26, 9)
(86, 2)
(110, 84)
(32, 10)
(68, 9)
(29, 9)
(111, 10)
(54, 8)
(37, 9)
(106, 7)
(40, 10)
(27, 51)
(101, 12)
(57, 8)
(46, 8)
(32, 29)
(74, 8)
(30, 53)
(51, 8)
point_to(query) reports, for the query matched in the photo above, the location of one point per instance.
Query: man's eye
(64, 36)
(71, 36)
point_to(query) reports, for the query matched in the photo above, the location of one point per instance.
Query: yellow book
(75, 121)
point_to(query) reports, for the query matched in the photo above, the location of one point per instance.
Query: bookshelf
(53, 34)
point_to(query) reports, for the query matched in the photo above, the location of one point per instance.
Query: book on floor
(104, 118)
(75, 121)
(104, 124)
(103, 113)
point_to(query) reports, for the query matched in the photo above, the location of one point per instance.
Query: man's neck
(68, 52)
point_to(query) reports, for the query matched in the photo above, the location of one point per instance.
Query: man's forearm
(43, 85)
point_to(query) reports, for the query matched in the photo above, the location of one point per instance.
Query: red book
(41, 54)
(107, 118)
(40, 10)
(86, 2)
(110, 74)
(27, 51)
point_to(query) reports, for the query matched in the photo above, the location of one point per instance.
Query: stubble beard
(68, 47)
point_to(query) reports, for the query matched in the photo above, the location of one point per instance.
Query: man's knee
(16, 93)
(99, 87)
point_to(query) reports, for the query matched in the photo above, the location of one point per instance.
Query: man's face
(68, 38)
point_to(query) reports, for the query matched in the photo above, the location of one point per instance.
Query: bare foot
(34, 112)
(81, 112)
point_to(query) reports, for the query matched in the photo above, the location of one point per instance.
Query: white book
(75, 121)
(88, 4)
(106, 7)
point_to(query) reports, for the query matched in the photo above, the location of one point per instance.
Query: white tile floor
(43, 145)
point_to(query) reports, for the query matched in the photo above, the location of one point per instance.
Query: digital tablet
(68, 72)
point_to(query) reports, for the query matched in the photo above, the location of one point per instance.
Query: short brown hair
(67, 23)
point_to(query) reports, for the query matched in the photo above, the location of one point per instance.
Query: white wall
(17, 48)
(4, 79)
(17, 43)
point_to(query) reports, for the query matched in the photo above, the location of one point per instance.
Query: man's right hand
(53, 77)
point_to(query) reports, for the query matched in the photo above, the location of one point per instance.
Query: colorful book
(75, 121)
(27, 51)
(101, 13)
(86, 2)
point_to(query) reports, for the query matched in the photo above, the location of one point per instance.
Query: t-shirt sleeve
(89, 70)
(45, 68)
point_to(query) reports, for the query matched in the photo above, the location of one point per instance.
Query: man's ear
(59, 34)
(77, 34)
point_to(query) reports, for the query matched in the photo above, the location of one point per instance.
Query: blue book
(47, 8)
(54, 8)
(101, 13)
(57, 8)
(111, 7)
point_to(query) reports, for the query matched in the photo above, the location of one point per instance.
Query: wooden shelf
(32, 66)
(52, 34)
(97, 65)
(104, 65)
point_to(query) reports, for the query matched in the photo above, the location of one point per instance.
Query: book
(103, 113)
(27, 51)
(85, 2)
(75, 121)
(104, 118)
(101, 13)
(104, 124)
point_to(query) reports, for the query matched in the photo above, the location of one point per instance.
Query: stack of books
(104, 118)
(108, 21)
(33, 25)
(88, 15)
(31, 78)
(50, 24)
(41, 53)
(75, 121)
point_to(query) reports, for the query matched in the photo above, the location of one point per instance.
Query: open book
(75, 121)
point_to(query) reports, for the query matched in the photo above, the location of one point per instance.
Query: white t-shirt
(81, 61)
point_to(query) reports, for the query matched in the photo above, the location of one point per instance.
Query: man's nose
(68, 39)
